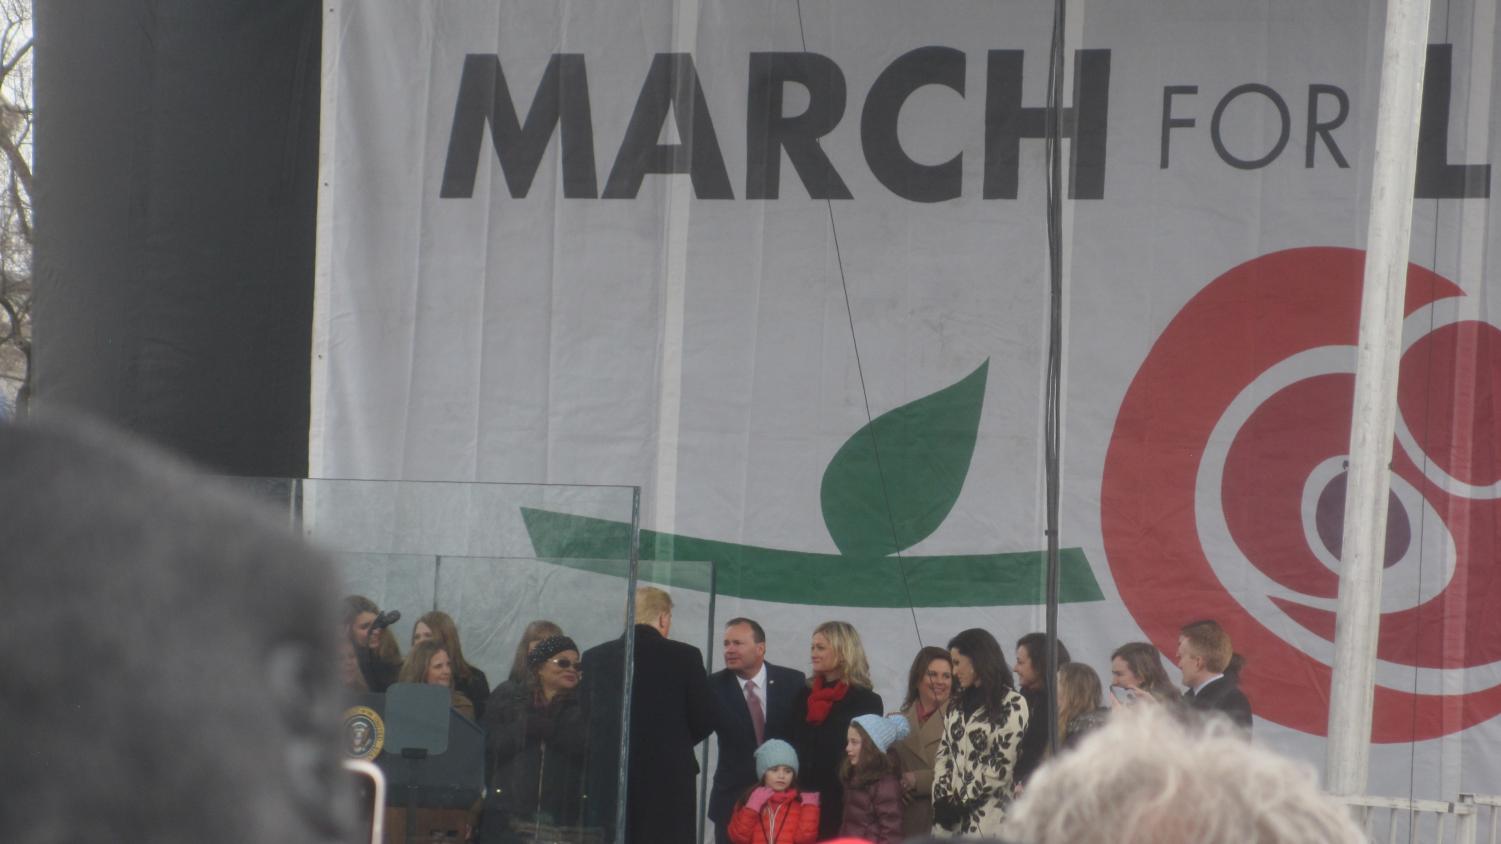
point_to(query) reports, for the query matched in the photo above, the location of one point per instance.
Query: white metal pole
(1359, 614)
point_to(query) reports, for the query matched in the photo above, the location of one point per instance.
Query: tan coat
(915, 754)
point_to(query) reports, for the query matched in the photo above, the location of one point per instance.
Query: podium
(434, 762)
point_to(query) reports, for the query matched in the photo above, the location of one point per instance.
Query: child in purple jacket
(872, 788)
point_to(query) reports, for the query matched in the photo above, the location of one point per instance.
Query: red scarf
(922, 717)
(821, 699)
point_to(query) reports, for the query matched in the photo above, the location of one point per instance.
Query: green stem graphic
(798, 577)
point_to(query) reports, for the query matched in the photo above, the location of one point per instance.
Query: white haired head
(1146, 778)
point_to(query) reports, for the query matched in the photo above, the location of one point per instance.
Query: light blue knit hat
(884, 731)
(773, 753)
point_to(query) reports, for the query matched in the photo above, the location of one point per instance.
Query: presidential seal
(364, 733)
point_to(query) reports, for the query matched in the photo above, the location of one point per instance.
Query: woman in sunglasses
(534, 746)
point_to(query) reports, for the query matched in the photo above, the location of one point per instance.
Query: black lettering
(1007, 122)
(1169, 122)
(1321, 129)
(878, 125)
(1436, 177)
(562, 97)
(1282, 137)
(768, 131)
(671, 85)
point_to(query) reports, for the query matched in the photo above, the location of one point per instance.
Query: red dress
(785, 819)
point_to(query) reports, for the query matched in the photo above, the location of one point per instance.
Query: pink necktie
(758, 719)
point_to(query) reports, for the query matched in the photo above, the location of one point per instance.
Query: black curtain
(175, 197)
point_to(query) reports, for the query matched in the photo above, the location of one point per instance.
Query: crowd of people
(801, 758)
(1136, 764)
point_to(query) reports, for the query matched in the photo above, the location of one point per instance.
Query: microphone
(386, 619)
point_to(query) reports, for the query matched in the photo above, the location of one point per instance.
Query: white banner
(783, 265)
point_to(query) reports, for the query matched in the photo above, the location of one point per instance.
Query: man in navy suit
(1204, 654)
(755, 701)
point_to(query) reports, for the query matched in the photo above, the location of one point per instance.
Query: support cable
(1053, 399)
(864, 393)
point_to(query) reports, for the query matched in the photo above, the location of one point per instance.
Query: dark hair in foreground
(534, 632)
(990, 666)
(170, 653)
(1037, 651)
(758, 634)
(919, 671)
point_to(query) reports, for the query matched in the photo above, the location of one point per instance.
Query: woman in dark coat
(1032, 670)
(840, 690)
(535, 739)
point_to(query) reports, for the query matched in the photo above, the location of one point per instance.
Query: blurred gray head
(1147, 777)
(169, 653)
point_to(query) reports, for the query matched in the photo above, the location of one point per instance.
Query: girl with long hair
(1033, 667)
(872, 789)
(1137, 667)
(375, 648)
(469, 680)
(1079, 709)
(534, 633)
(972, 773)
(429, 662)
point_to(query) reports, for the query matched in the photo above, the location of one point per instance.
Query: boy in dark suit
(1204, 652)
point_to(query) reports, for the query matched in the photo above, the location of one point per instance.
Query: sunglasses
(567, 664)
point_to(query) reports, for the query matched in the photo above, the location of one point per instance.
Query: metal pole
(1352, 696)
(1053, 394)
(633, 573)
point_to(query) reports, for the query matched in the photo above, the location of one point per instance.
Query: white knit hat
(884, 731)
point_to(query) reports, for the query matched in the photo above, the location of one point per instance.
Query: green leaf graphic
(1007, 579)
(924, 449)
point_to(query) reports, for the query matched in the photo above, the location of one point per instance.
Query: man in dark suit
(1204, 652)
(755, 701)
(671, 711)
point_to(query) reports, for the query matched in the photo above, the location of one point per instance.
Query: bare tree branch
(15, 59)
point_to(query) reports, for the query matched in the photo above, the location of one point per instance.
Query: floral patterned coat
(972, 772)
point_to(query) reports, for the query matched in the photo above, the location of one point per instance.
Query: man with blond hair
(672, 710)
(1204, 654)
(1148, 778)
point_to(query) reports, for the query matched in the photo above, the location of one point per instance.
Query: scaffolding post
(1352, 694)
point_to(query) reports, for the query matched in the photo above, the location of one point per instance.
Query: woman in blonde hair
(1079, 709)
(839, 691)
(472, 682)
